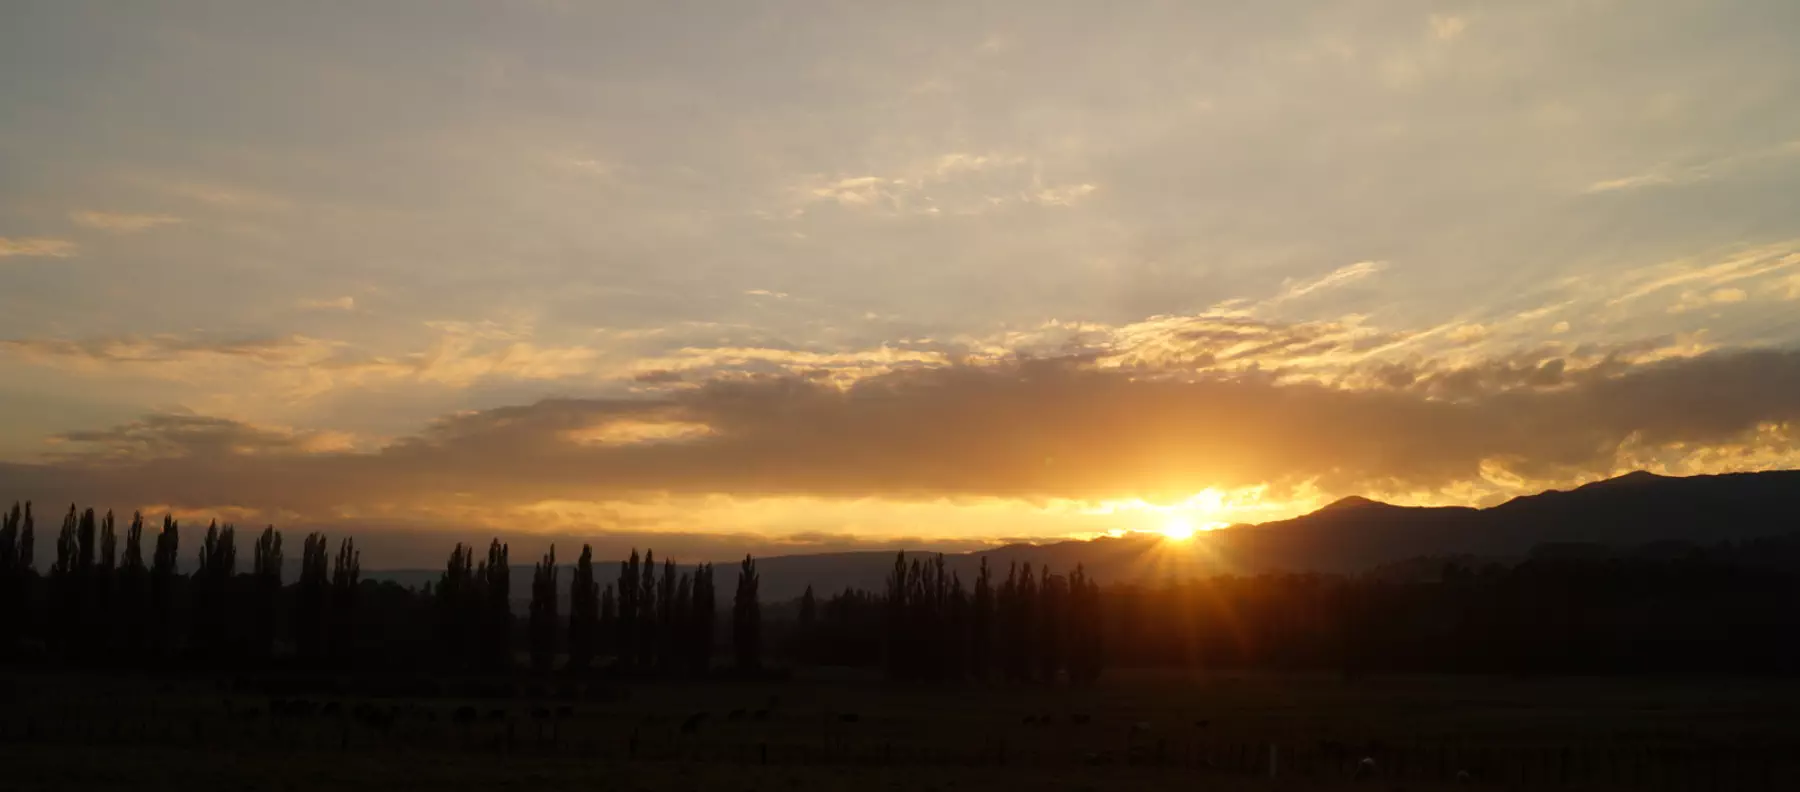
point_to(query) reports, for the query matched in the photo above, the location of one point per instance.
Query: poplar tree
(544, 620)
(746, 618)
(584, 612)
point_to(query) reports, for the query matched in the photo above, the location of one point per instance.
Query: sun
(1178, 529)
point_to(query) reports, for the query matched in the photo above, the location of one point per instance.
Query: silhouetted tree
(981, 624)
(459, 599)
(1084, 635)
(68, 586)
(677, 654)
(15, 576)
(341, 619)
(132, 590)
(584, 612)
(103, 616)
(266, 561)
(311, 602)
(607, 640)
(212, 591)
(162, 586)
(647, 613)
(1049, 627)
(1026, 629)
(625, 630)
(498, 617)
(803, 645)
(746, 618)
(667, 607)
(544, 621)
(702, 616)
(898, 648)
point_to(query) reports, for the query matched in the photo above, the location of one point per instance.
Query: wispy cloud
(36, 247)
(1349, 273)
(344, 303)
(228, 197)
(121, 223)
(1691, 301)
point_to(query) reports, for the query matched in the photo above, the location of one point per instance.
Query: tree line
(1030, 627)
(107, 600)
(100, 606)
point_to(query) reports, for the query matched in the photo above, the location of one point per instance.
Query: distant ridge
(1352, 534)
(1355, 502)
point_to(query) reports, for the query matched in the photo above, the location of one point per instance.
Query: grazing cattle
(1141, 727)
(693, 722)
(330, 709)
(540, 713)
(1028, 720)
(496, 715)
(1080, 718)
(1202, 723)
(565, 711)
(760, 715)
(849, 717)
(735, 716)
(464, 715)
(1046, 719)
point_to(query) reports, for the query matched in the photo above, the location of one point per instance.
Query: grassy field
(1137, 730)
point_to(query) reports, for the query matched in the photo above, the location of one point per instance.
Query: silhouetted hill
(1639, 512)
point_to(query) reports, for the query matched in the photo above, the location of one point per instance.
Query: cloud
(119, 223)
(174, 436)
(299, 367)
(1447, 27)
(1348, 273)
(345, 303)
(1754, 264)
(36, 247)
(1695, 300)
(234, 198)
(1022, 430)
(1692, 172)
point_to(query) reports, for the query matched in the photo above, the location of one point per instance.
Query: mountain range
(1351, 535)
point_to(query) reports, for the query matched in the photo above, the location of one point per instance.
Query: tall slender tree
(646, 617)
(15, 606)
(458, 601)
(606, 639)
(667, 610)
(213, 599)
(981, 624)
(68, 587)
(746, 618)
(703, 615)
(626, 628)
(162, 586)
(346, 578)
(266, 562)
(584, 612)
(311, 600)
(544, 621)
(134, 587)
(499, 617)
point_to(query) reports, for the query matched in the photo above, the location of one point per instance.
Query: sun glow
(1179, 529)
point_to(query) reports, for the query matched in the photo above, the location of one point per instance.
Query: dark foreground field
(1136, 731)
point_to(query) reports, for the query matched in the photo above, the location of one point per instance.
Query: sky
(796, 276)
